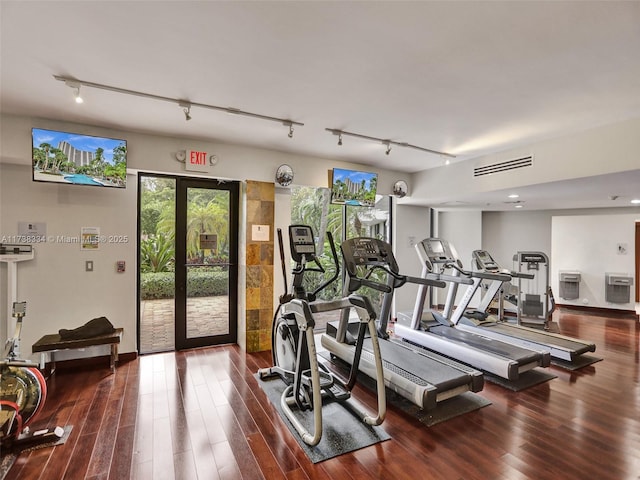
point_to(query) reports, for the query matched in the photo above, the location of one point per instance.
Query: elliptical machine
(293, 342)
(23, 391)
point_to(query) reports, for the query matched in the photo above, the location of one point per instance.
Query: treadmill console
(301, 242)
(367, 252)
(437, 250)
(485, 261)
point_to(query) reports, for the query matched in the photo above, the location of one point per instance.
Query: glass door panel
(207, 264)
(156, 216)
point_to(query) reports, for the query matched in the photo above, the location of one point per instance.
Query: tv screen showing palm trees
(77, 159)
(351, 187)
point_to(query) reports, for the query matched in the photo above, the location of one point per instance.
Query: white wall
(597, 151)
(60, 294)
(463, 230)
(505, 233)
(411, 226)
(589, 244)
(58, 291)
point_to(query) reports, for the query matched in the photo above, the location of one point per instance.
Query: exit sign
(196, 161)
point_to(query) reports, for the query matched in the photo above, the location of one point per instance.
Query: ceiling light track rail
(185, 104)
(384, 141)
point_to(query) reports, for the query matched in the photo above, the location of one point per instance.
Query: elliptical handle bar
(284, 267)
(336, 263)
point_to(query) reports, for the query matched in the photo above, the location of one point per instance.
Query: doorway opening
(188, 262)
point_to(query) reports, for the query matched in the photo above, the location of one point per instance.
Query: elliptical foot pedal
(338, 393)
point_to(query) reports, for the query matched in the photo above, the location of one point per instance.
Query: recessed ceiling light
(636, 201)
(519, 206)
(514, 195)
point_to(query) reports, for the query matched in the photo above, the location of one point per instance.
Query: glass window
(311, 206)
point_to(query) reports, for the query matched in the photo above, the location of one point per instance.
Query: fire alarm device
(120, 266)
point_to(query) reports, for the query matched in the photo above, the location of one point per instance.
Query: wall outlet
(88, 266)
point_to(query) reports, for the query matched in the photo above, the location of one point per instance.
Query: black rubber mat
(578, 363)
(342, 431)
(527, 379)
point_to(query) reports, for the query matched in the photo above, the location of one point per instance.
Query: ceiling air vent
(503, 166)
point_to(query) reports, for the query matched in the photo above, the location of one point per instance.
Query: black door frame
(182, 184)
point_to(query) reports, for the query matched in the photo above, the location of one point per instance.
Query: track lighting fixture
(384, 141)
(78, 97)
(186, 106)
(76, 87)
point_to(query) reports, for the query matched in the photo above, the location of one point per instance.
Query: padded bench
(53, 343)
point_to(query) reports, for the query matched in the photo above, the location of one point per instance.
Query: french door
(192, 300)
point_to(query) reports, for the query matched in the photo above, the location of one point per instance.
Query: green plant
(210, 283)
(157, 254)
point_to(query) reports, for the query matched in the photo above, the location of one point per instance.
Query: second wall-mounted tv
(77, 159)
(352, 187)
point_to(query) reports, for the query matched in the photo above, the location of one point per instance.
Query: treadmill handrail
(402, 279)
(502, 277)
(449, 278)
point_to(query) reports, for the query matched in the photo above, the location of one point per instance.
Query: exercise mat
(342, 431)
(526, 380)
(577, 364)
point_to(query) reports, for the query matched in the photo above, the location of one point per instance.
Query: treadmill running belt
(437, 373)
(540, 337)
(521, 355)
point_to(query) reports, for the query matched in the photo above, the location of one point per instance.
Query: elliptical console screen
(301, 241)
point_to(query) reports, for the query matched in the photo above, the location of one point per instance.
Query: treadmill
(439, 334)
(424, 378)
(561, 347)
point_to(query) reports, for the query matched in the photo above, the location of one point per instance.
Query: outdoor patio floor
(205, 316)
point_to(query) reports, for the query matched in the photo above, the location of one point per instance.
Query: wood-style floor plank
(201, 414)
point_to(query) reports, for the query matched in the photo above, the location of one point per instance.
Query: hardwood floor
(200, 414)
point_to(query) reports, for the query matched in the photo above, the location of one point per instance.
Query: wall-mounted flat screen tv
(352, 187)
(73, 158)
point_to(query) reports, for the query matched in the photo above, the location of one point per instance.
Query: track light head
(186, 108)
(291, 130)
(78, 97)
(76, 87)
(388, 144)
(340, 139)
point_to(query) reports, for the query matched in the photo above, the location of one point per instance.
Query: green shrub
(199, 284)
(157, 254)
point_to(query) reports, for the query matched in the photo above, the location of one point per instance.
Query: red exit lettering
(197, 158)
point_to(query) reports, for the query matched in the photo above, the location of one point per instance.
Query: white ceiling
(467, 78)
